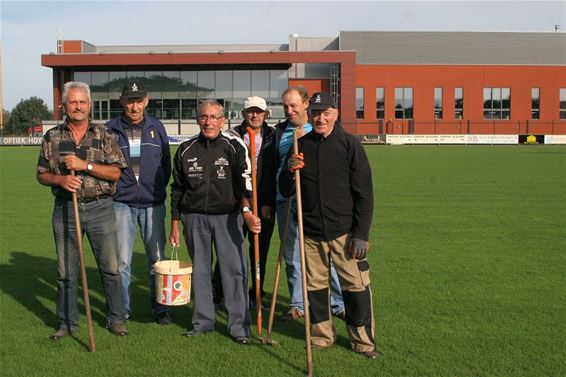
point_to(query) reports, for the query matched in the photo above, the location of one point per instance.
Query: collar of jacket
(321, 137)
(242, 129)
(205, 140)
(127, 123)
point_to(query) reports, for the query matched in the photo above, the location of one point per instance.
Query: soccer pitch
(468, 259)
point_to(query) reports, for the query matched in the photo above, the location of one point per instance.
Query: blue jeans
(151, 221)
(98, 222)
(291, 254)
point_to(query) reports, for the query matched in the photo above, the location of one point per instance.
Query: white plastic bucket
(173, 282)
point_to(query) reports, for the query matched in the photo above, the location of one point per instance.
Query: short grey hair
(74, 85)
(210, 102)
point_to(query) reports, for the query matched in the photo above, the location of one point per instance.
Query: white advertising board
(452, 139)
(492, 139)
(555, 139)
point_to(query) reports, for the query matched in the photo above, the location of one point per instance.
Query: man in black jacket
(337, 194)
(210, 195)
(255, 112)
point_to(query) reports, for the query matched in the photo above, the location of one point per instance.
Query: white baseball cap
(255, 102)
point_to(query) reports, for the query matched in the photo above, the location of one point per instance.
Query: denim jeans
(99, 224)
(291, 254)
(151, 221)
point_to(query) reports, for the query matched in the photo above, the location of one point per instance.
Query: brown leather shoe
(292, 315)
(371, 354)
(61, 333)
(118, 328)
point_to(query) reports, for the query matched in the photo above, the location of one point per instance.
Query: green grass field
(468, 278)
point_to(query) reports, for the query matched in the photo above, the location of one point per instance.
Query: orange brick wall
(473, 79)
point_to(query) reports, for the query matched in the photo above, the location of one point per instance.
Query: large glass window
(458, 103)
(175, 94)
(260, 83)
(535, 103)
(189, 84)
(153, 84)
(562, 103)
(223, 84)
(437, 103)
(99, 109)
(242, 84)
(115, 108)
(116, 82)
(278, 82)
(154, 107)
(224, 90)
(170, 88)
(99, 85)
(189, 108)
(82, 77)
(380, 103)
(359, 103)
(140, 75)
(497, 103)
(205, 89)
(403, 103)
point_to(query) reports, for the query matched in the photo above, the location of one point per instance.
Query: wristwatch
(246, 209)
(89, 167)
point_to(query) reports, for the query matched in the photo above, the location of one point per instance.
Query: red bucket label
(173, 290)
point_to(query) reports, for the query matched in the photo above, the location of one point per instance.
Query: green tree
(27, 113)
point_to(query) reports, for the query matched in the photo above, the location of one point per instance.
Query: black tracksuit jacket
(210, 176)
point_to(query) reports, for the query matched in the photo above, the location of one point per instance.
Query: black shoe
(163, 318)
(118, 328)
(193, 333)
(243, 340)
(341, 315)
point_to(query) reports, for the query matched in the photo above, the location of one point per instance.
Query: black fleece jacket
(336, 186)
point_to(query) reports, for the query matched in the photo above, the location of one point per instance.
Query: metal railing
(439, 127)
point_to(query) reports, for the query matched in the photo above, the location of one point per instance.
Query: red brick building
(384, 82)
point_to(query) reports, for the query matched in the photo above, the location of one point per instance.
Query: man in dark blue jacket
(141, 190)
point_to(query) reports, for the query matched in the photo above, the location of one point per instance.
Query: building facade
(384, 82)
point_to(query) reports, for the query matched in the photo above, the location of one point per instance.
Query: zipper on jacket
(319, 186)
(208, 176)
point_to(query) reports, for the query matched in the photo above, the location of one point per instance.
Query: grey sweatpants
(225, 233)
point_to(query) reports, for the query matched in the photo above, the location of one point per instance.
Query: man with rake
(337, 202)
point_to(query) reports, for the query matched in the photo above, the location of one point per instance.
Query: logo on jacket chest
(220, 164)
(194, 170)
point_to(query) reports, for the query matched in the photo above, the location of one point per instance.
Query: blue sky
(29, 28)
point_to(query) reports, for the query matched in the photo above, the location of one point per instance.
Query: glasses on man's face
(213, 118)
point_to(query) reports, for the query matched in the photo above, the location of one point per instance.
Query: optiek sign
(21, 140)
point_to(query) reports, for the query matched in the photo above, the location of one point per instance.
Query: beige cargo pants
(354, 282)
